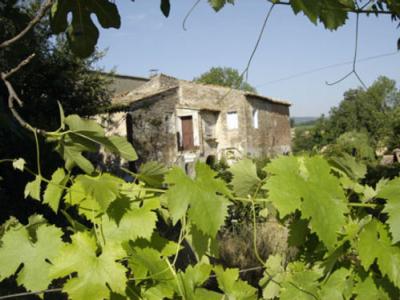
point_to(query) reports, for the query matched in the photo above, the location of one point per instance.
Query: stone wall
(273, 133)
(220, 100)
(153, 128)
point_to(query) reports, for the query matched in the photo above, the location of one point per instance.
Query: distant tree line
(365, 121)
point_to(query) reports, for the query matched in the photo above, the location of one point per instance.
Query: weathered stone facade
(177, 122)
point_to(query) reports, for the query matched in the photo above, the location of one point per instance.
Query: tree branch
(40, 14)
(13, 96)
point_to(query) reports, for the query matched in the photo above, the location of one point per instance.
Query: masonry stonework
(155, 113)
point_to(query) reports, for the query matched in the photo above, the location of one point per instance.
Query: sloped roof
(155, 86)
(269, 99)
(162, 83)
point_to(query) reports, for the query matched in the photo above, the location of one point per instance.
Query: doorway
(187, 133)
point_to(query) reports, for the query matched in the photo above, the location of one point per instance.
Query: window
(255, 118)
(232, 120)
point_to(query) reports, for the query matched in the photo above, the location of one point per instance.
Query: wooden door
(187, 133)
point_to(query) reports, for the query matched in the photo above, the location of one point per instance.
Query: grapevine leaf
(232, 286)
(159, 291)
(118, 208)
(298, 231)
(32, 189)
(199, 241)
(103, 189)
(148, 261)
(273, 277)
(82, 33)
(17, 247)
(391, 192)
(286, 171)
(367, 290)
(348, 164)
(192, 278)
(54, 189)
(336, 285)
(152, 173)
(300, 283)
(203, 294)
(19, 164)
(245, 178)
(375, 244)
(207, 210)
(95, 273)
(306, 184)
(135, 223)
(162, 245)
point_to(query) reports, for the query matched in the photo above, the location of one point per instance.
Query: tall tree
(225, 76)
(55, 74)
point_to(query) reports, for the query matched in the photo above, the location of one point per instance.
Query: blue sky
(290, 45)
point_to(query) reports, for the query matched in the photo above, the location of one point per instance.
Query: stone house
(177, 122)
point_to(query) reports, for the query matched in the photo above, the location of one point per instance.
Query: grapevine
(119, 250)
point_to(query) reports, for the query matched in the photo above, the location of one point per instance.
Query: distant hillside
(303, 120)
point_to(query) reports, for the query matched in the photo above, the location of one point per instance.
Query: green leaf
(87, 136)
(199, 241)
(118, 208)
(208, 209)
(55, 188)
(120, 146)
(298, 231)
(391, 192)
(273, 277)
(165, 7)
(300, 283)
(19, 164)
(245, 179)
(149, 261)
(135, 223)
(82, 33)
(17, 247)
(232, 286)
(103, 188)
(78, 124)
(349, 165)
(306, 184)
(367, 290)
(62, 115)
(331, 13)
(203, 294)
(93, 195)
(32, 189)
(336, 285)
(95, 273)
(71, 152)
(218, 4)
(163, 246)
(192, 278)
(152, 173)
(375, 244)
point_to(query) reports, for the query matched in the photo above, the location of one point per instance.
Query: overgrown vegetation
(118, 240)
(227, 77)
(365, 121)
